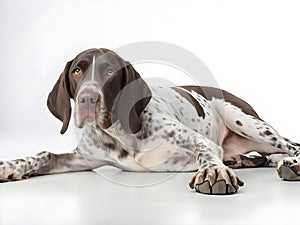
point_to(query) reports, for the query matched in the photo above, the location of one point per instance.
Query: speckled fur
(181, 130)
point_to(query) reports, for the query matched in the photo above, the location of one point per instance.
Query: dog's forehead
(100, 54)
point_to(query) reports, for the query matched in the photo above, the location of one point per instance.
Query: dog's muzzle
(87, 106)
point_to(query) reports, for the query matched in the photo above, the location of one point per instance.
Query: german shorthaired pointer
(137, 127)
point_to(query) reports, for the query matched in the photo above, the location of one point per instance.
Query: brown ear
(132, 100)
(59, 99)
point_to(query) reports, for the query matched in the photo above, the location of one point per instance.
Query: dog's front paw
(9, 171)
(216, 181)
(289, 169)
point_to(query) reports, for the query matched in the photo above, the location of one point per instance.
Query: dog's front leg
(213, 177)
(43, 163)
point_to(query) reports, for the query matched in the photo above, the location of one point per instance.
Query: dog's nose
(88, 98)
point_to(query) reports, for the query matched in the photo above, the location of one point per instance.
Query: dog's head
(105, 89)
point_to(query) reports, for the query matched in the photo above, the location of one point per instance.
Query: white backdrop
(251, 47)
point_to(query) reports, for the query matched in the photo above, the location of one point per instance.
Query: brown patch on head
(122, 100)
(73, 76)
(59, 98)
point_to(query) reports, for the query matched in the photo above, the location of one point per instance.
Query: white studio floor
(89, 198)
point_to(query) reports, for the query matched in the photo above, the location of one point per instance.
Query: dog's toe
(219, 187)
(216, 181)
(203, 188)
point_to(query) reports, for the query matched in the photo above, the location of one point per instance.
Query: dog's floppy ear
(132, 100)
(59, 99)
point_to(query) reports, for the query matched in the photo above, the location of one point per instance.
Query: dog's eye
(110, 72)
(77, 72)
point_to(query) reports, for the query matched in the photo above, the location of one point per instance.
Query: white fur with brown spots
(182, 129)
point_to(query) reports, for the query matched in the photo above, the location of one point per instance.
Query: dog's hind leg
(261, 136)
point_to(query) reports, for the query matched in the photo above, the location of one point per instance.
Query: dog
(137, 127)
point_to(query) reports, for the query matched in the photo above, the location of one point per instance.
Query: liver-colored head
(105, 89)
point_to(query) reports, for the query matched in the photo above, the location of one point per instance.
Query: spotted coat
(184, 129)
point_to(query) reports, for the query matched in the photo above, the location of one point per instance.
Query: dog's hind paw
(289, 169)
